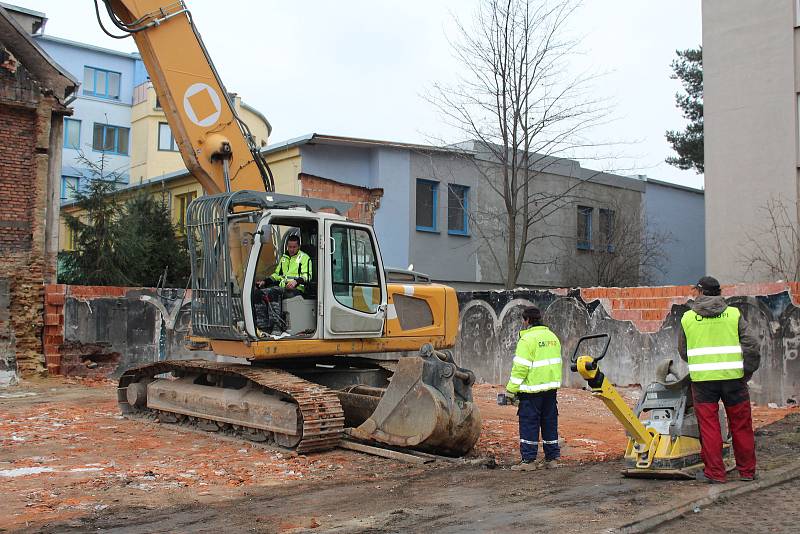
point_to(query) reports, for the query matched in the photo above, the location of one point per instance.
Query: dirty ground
(69, 462)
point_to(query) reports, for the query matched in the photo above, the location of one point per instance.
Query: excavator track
(321, 414)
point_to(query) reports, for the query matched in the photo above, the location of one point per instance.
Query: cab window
(354, 264)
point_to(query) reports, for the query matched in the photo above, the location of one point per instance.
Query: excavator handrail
(262, 200)
(574, 357)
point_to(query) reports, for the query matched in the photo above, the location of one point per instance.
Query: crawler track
(319, 407)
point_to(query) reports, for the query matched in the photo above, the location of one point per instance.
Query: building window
(182, 204)
(100, 82)
(72, 133)
(70, 244)
(457, 206)
(69, 186)
(427, 192)
(165, 139)
(607, 230)
(113, 139)
(585, 227)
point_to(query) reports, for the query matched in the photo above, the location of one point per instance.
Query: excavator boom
(199, 110)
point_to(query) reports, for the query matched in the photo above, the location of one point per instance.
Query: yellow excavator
(341, 366)
(663, 434)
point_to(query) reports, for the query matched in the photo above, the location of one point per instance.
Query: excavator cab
(237, 239)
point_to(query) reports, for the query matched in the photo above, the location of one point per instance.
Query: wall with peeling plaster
(108, 330)
(490, 322)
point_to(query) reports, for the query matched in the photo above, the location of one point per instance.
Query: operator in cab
(291, 274)
(534, 382)
(722, 356)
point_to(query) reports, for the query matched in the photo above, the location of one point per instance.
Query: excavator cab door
(354, 292)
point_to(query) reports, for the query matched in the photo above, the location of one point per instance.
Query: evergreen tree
(146, 232)
(95, 259)
(130, 244)
(688, 68)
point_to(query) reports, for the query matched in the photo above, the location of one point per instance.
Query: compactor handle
(574, 357)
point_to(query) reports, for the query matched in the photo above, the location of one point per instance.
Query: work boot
(553, 464)
(525, 465)
(750, 478)
(700, 476)
(275, 319)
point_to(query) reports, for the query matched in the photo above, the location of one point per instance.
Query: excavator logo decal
(202, 104)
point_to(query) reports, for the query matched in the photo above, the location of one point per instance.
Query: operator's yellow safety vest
(712, 345)
(537, 362)
(298, 265)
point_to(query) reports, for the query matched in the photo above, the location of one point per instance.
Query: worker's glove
(506, 399)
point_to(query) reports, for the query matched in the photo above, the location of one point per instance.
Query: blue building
(434, 208)
(677, 213)
(101, 123)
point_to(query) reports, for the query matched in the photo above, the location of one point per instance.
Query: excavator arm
(216, 145)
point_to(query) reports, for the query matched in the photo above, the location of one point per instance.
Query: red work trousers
(740, 423)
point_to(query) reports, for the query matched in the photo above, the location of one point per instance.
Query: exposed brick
(53, 363)
(654, 315)
(53, 340)
(52, 319)
(52, 289)
(365, 202)
(55, 299)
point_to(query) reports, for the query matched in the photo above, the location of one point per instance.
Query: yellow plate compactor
(663, 434)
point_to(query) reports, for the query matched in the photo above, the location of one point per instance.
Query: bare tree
(774, 248)
(624, 252)
(525, 114)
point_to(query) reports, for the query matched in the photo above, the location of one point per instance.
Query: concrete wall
(106, 330)
(750, 113)
(679, 212)
(490, 322)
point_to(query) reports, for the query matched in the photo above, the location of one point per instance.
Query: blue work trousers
(538, 411)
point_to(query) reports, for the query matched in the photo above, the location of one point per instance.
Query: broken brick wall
(29, 132)
(643, 323)
(365, 202)
(103, 331)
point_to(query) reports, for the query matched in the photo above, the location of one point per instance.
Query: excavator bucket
(427, 406)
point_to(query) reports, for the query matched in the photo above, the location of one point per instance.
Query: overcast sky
(360, 67)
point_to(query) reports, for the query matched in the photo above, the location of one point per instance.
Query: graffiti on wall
(490, 322)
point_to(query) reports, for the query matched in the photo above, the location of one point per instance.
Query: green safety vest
(537, 362)
(712, 345)
(295, 266)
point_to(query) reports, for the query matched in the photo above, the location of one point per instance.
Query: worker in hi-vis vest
(722, 356)
(291, 274)
(535, 379)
